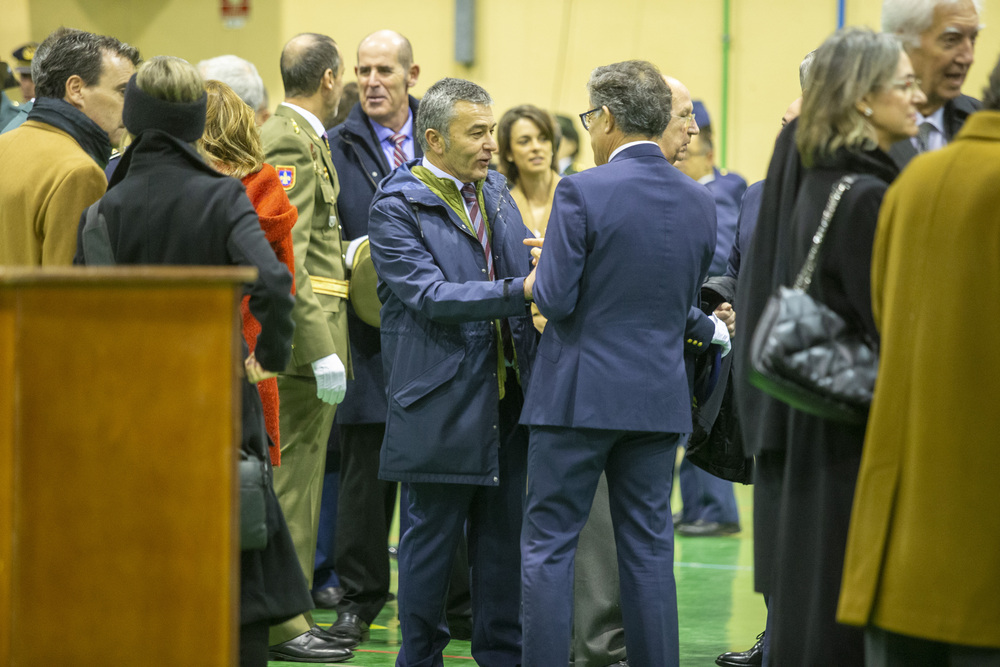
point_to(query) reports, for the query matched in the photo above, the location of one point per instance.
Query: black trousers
(364, 513)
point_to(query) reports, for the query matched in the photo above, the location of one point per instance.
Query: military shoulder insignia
(287, 176)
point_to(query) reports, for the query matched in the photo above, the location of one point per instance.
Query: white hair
(907, 19)
(238, 74)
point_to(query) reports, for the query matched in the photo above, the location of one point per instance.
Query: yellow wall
(538, 51)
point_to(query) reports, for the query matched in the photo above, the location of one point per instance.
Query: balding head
(392, 40)
(386, 72)
(682, 126)
(304, 60)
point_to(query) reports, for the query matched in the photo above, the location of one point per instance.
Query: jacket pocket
(430, 379)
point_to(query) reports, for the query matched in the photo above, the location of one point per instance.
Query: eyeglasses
(585, 115)
(688, 120)
(906, 85)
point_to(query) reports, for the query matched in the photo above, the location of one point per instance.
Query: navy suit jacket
(627, 247)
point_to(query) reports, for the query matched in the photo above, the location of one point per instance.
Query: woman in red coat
(231, 144)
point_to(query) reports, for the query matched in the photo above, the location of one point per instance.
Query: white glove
(721, 336)
(331, 379)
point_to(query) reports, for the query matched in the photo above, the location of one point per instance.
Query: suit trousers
(305, 423)
(598, 631)
(364, 515)
(706, 497)
(324, 571)
(440, 514)
(564, 468)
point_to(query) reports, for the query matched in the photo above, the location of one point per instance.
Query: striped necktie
(469, 195)
(398, 156)
(924, 136)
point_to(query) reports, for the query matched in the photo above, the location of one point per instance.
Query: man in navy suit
(620, 273)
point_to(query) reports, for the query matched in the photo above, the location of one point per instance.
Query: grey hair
(804, 68)
(907, 19)
(238, 74)
(437, 106)
(850, 64)
(636, 94)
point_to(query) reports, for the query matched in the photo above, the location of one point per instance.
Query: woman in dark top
(860, 97)
(165, 205)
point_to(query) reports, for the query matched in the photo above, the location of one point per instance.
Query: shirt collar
(441, 173)
(309, 116)
(936, 119)
(384, 133)
(629, 145)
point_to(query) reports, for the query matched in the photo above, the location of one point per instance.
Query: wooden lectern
(119, 427)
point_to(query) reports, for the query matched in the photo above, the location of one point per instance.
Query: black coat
(164, 205)
(811, 464)
(361, 165)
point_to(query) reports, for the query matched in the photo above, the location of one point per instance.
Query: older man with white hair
(939, 36)
(240, 75)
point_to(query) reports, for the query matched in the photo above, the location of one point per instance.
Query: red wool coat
(277, 216)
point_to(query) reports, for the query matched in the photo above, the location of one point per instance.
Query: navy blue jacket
(361, 165)
(746, 223)
(728, 190)
(627, 248)
(439, 339)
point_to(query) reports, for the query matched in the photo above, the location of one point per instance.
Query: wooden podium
(119, 427)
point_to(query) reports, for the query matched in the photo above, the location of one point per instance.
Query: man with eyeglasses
(940, 39)
(609, 390)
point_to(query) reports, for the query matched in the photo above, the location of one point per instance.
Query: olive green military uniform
(306, 171)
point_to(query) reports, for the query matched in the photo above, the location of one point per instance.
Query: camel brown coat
(46, 182)
(923, 553)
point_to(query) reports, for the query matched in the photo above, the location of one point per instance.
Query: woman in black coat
(165, 205)
(859, 98)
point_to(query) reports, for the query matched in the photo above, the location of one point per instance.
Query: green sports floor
(717, 606)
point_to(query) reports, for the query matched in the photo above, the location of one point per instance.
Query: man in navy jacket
(364, 152)
(621, 270)
(457, 343)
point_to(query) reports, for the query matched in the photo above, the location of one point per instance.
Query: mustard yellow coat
(923, 553)
(46, 182)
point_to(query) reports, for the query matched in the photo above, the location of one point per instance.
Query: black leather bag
(253, 502)
(804, 354)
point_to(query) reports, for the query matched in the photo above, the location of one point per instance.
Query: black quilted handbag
(804, 354)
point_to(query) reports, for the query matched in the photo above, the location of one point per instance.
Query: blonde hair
(850, 64)
(231, 138)
(170, 79)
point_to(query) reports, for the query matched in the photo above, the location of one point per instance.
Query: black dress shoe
(334, 640)
(753, 656)
(309, 647)
(350, 626)
(327, 598)
(702, 528)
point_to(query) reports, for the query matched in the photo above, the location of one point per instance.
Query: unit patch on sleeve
(287, 176)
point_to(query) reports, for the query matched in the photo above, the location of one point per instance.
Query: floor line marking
(713, 566)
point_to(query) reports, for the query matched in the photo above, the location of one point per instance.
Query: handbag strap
(804, 279)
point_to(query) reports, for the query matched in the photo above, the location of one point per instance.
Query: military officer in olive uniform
(314, 383)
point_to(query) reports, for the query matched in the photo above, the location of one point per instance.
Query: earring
(868, 112)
